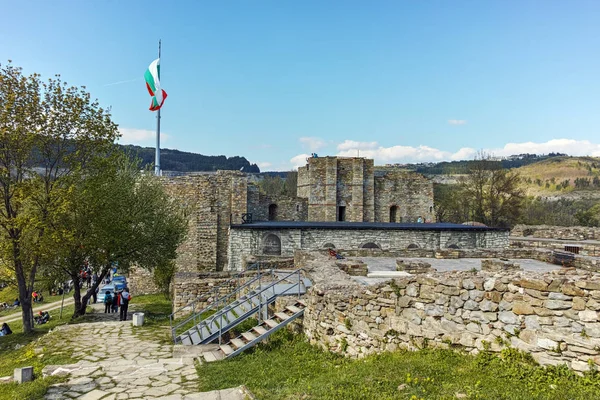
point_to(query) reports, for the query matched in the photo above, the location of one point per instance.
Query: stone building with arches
(345, 203)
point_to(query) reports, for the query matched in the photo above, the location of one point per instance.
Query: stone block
(496, 265)
(522, 308)
(588, 316)
(24, 374)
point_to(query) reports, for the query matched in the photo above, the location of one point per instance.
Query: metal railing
(196, 319)
(218, 302)
(267, 301)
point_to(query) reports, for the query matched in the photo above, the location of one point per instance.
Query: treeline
(462, 167)
(181, 161)
(451, 206)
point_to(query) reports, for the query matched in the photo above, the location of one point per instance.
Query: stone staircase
(256, 334)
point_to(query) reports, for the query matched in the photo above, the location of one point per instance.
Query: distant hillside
(461, 167)
(181, 161)
(559, 176)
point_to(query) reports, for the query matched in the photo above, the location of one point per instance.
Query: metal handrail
(224, 300)
(259, 293)
(236, 277)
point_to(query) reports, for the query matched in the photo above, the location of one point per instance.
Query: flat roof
(364, 226)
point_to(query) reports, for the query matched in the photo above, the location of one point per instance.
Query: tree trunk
(81, 302)
(76, 295)
(24, 294)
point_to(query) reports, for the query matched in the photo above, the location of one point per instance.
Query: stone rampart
(140, 281)
(201, 288)
(552, 316)
(557, 232)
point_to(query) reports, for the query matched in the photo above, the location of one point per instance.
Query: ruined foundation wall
(557, 232)
(554, 316)
(410, 192)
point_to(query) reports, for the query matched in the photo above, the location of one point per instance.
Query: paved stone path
(119, 361)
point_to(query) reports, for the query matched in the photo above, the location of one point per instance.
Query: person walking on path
(124, 302)
(115, 303)
(108, 301)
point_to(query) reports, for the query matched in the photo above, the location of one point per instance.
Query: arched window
(393, 212)
(413, 246)
(271, 245)
(329, 246)
(273, 212)
(370, 245)
(453, 246)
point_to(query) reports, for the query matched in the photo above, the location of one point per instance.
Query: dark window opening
(370, 245)
(413, 246)
(273, 212)
(393, 212)
(453, 246)
(572, 249)
(342, 213)
(329, 246)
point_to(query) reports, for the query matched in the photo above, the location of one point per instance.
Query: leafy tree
(116, 215)
(488, 193)
(49, 132)
(589, 217)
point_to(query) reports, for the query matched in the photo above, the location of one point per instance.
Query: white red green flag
(152, 77)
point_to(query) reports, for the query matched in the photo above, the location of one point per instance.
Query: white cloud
(457, 121)
(571, 147)
(423, 153)
(141, 137)
(312, 143)
(299, 161)
(353, 145)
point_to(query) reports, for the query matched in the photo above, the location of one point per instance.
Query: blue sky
(398, 81)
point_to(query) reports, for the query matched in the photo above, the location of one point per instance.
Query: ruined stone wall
(244, 242)
(288, 208)
(200, 288)
(553, 316)
(590, 248)
(212, 201)
(330, 182)
(303, 184)
(557, 232)
(140, 281)
(410, 192)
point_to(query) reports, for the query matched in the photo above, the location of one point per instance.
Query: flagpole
(157, 155)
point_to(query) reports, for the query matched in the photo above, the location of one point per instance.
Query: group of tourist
(42, 317)
(112, 303)
(37, 296)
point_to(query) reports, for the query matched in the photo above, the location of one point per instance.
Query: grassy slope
(10, 293)
(559, 168)
(289, 368)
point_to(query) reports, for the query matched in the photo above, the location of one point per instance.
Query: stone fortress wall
(553, 316)
(365, 192)
(284, 241)
(214, 201)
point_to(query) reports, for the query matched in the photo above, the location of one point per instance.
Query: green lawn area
(10, 293)
(289, 368)
(156, 308)
(21, 350)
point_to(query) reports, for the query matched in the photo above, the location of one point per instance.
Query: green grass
(156, 308)
(22, 350)
(289, 368)
(10, 293)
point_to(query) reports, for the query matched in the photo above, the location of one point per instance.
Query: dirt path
(41, 307)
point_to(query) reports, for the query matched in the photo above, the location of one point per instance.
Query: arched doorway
(271, 245)
(273, 212)
(393, 213)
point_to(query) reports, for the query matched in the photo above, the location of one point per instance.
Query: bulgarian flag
(152, 77)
